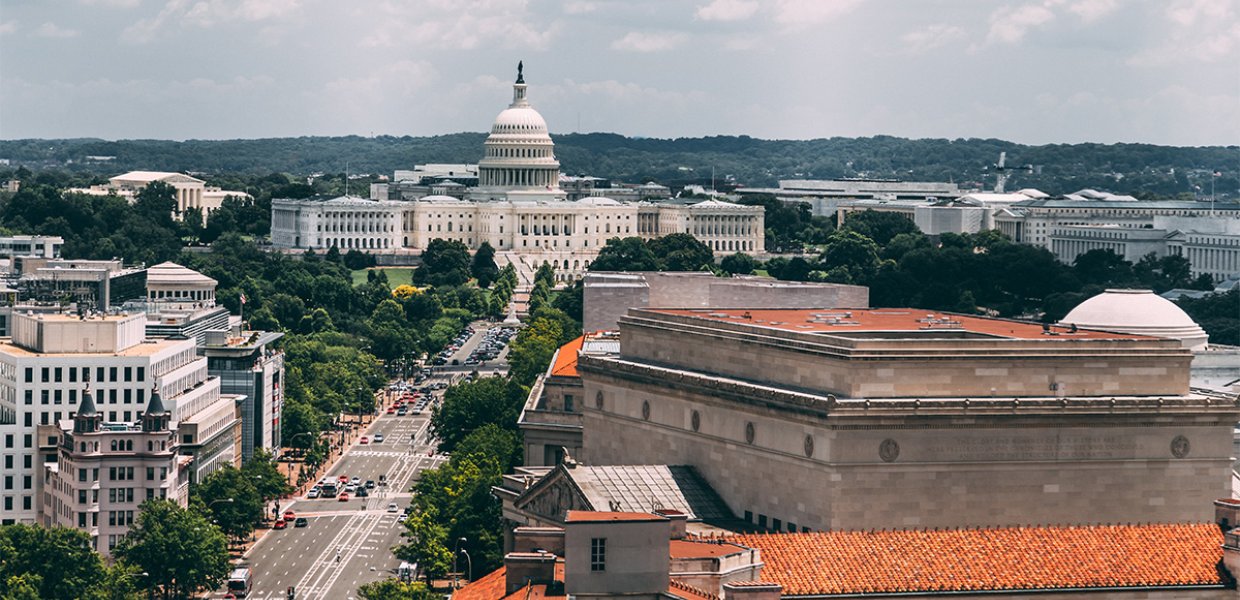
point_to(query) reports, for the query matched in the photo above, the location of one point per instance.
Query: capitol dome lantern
(519, 155)
(1140, 312)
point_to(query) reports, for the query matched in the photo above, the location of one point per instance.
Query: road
(361, 529)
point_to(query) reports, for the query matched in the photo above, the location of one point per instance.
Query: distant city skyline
(1028, 71)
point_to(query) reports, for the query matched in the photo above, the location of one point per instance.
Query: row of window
(27, 504)
(775, 524)
(27, 482)
(58, 374)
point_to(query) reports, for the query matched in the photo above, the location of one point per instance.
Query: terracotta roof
(590, 516)
(696, 549)
(857, 320)
(688, 592)
(1007, 558)
(565, 364)
(489, 587)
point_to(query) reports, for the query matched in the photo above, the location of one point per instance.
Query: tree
(1102, 266)
(444, 262)
(395, 589)
(356, 259)
(681, 252)
(492, 441)
(625, 254)
(54, 562)
(739, 264)
(470, 405)
(233, 501)
(427, 545)
(531, 351)
(849, 257)
(571, 301)
(263, 472)
(880, 227)
(483, 267)
(179, 550)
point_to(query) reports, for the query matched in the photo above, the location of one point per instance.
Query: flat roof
(845, 321)
(590, 516)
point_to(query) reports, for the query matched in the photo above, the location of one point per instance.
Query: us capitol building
(518, 207)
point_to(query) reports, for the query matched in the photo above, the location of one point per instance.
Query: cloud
(1009, 25)
(931, 37)
(1199, 31)
(52, 30)
(727, 10)
(580, 7)
(112, 3)
(443, 24)
(8, 27)
(638, 41)
(1092, 10)
(206, 14)
(798, 14)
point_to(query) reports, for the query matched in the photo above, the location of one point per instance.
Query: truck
(239, 582)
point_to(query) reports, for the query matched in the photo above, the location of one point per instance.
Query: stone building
(860, 418)
(104, 471)
(191, 192)
(516, 205)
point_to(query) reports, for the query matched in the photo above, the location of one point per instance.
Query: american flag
(242, 298)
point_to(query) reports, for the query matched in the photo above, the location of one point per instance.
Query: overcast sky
(1032, 71)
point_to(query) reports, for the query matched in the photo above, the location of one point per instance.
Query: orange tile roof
(688, 592)
(565, 364)
(489, 587)
(590, 516)
(992, 559)
(696, 549)
(843, 320)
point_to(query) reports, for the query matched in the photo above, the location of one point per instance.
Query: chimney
(524, 568)
(533, 539)
(678, 520)
(751, 590)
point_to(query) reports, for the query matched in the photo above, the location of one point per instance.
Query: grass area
(396, 275)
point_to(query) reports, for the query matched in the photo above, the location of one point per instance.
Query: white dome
(521, 120)
(1139, 312)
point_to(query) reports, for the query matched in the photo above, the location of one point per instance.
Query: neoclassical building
(518, 207)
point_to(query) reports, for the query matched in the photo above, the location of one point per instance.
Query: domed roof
(519, 120)
(598, 201)
(1140, 312)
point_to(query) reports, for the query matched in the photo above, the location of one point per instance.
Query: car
(313, 493)
(378, 438)
(365, 440)
(393, 508)
(343, 479)
(362, 493)
(391, 410)
(301, 522)
(352, 487)
(409, 509)
(356, 480)
(289, 515)
(343, 497)
(370, 484)
(402, 412)
(279, 524)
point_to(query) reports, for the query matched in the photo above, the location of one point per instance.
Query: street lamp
(455, 551)
(469, 561)
(214, 502)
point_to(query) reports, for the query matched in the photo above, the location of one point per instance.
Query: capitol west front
(517, 207)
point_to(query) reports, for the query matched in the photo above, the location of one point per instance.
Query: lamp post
(456, 549)
(469, 561)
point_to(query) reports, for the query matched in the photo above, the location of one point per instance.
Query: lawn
(396, 275)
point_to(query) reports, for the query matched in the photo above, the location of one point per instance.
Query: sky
(1029, 71)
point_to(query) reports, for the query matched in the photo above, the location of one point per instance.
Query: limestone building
(191, 192)
(516, 205)
(49, 360)
(861, 418)
(104, 471)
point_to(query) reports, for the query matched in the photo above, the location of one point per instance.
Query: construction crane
(1001, 172)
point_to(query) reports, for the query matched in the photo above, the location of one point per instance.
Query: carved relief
(889, 450)
(1180, 446)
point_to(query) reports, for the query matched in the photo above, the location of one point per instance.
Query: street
(362, 530)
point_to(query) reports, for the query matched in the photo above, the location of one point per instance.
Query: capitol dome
(519, 155)
(1139, 312)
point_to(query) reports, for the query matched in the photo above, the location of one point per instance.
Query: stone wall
(809, 466)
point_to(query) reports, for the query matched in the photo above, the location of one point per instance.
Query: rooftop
(565, 364)
(589, 516)
(843, 321)
(992, 559)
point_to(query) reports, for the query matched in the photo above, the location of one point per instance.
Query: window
(81, 496)
(762, 521)
(150, 473)
(749, 516)
(598, 554)
(98, 373)
(72, 375)
(27, 502)
(568, 402)
(29, 396)
(128, 373)
(29, 374)
(141, 373)
(44, 374)
(58, 375)
(112, 374)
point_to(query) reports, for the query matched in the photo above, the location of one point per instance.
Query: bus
(239, 583)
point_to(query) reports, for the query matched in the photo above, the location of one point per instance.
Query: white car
(393, 508)
(313, 493)
(355, 480)
(352, 487)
